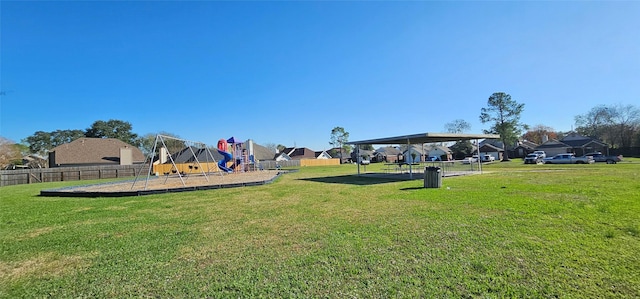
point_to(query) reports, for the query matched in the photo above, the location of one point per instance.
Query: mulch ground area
(169, 184)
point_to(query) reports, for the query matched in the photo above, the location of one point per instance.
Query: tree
(39, 143)
(625, 123)
(338, 139)
(147, 142)
(594, 123)
(271, 146)
(113, 128)
(367, 147)
(537, 134)
(9, 153)
(614, 124)
(461, 149)
(42, 142)
(504, 113)
(457, 126)
(59, 137)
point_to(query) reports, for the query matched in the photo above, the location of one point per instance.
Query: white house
(439, 151)
(414, 154)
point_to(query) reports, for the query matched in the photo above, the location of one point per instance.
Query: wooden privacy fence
(59, 174)
(319, 162)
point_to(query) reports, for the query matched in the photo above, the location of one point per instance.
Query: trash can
(432, 177)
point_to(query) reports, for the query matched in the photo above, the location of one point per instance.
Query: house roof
(363, 153)
(297, 153)
(415, 148)
(527, 145)
(94, 151)
(319, 153)
(439, 147)
(425, 138)
(494, 142)
(572, 141)
(262, 153)
(552, 143)
(282, 155)
(490, 148)
(388, 150)
(581, 142)
(202, 154)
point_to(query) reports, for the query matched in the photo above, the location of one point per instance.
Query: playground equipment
(223, 148)
(173, 157)
(176, 158)
(241, 154)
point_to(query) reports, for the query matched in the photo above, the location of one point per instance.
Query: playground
(157, 185)
(177, 165)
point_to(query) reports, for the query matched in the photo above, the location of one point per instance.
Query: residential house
(387, 154)
(298, 153)
(261, 153)
(344, 155)
(573, 143)
(554, 147)
(322, 155)
(191, 153)
(364, 155)
(492, 150)
(95, 151)
(279, 157)
(414, 153)
(440, 151)
(581, 145)
(523, 148)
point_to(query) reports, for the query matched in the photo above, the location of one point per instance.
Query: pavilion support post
(479, 157)
(358, 157)
(409, 152)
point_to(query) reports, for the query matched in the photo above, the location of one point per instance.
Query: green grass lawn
(517, 230)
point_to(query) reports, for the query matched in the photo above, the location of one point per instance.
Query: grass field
(534, 231)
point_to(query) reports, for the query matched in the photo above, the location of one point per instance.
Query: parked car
(540, 154)
(599, 157)
(488, 158)
(469, 160)
(568, 159)
(533, 158)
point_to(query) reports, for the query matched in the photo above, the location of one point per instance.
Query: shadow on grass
(358, 180)
(412, 188)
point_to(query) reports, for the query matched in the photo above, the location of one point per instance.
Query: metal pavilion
(422, 138)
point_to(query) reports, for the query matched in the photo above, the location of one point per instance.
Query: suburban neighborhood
(319, 149)
(111, 151)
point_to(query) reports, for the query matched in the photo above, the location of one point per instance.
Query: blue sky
(288, 72)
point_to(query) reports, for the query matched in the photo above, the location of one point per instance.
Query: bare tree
(614, 124)
(626, 122)
(271, 146)
(457, 126)
(538, 132)
(595, 122)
